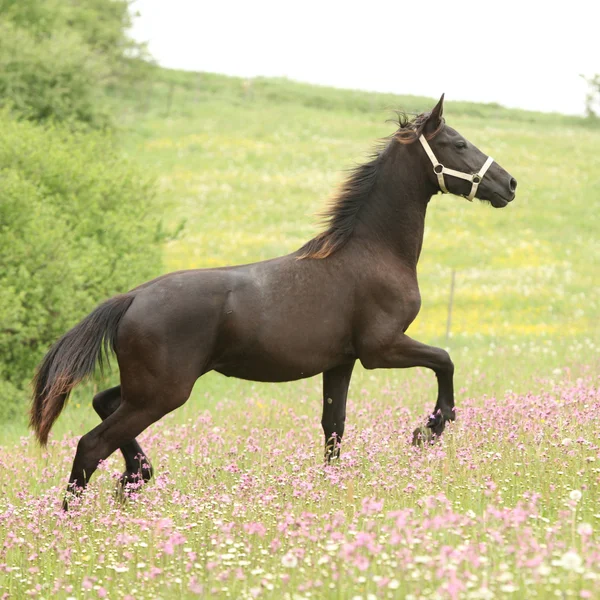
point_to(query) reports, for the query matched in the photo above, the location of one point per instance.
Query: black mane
(341, 214)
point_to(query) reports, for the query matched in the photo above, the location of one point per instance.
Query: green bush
(77, 225)
(101, 24)
(58, 77)
(58, 57)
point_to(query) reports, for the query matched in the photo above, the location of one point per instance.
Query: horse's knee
(446, 363)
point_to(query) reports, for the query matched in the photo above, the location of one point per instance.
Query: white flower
(567, 442)
(121, 569)
(544, 570)
(575, 495)
(508, 588)
(394, 584)
(289, 560)
(584, 529)
(570, 561)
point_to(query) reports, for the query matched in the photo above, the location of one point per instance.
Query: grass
(245, 166)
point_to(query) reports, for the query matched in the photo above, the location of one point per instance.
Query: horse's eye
(460, 144)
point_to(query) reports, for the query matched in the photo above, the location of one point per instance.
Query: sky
(523, 54)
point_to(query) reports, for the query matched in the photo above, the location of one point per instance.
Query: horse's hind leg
(119, 428)
(143, 401)
(138, 468)
(335, 394)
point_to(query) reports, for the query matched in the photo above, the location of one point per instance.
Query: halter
(439, 169)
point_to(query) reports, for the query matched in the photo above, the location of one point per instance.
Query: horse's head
(455, 165)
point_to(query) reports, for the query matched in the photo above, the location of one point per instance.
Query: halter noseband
(439, 169)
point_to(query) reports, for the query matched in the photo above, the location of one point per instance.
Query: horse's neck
(394, 215)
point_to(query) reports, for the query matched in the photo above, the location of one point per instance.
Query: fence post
(450, 303)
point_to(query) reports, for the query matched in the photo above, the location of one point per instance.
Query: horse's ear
(434, 120)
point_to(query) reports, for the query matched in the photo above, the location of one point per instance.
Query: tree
(592, 100)
(57, 57)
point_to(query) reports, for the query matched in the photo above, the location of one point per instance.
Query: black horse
(350, 293)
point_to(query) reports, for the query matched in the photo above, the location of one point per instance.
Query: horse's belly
(282, 360)
(265, 371)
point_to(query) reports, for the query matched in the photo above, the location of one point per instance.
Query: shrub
(57, 57)
(76, 226)
(58, 77)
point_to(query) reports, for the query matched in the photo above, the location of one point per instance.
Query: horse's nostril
(512, 184)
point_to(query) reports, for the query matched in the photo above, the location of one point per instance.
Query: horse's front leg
(404, 353)
(335, 393)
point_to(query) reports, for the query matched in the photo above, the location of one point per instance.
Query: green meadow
(241, 506)
(244, 167)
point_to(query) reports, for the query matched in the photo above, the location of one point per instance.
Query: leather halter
(439, 169)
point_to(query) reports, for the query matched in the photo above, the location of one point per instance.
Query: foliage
(592, 101)
(58, 56)
(77, 224)
(51, 78)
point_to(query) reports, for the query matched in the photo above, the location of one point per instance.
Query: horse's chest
(403, 314)
(392, 310)
(411, 307)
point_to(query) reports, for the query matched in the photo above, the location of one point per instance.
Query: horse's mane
(341, 215)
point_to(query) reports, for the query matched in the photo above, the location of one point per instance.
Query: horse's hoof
(422, 436)
(436, 423)
(435, 419)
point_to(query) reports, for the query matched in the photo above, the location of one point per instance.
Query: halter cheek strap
(439, 169)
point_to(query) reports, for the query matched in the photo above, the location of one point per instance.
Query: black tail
(72, 359)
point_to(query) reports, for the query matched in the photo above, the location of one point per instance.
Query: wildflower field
(507, 505)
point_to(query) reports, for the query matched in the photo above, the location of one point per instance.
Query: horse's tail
(71, 359)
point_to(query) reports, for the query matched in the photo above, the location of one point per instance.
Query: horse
(348, 294)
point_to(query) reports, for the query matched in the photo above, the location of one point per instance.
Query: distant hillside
(166, 88)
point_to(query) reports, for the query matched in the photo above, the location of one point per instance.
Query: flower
(575, 495)
(570, 561)
(584, 529)
(289, 560)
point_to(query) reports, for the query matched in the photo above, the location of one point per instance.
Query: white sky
(527, 54)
